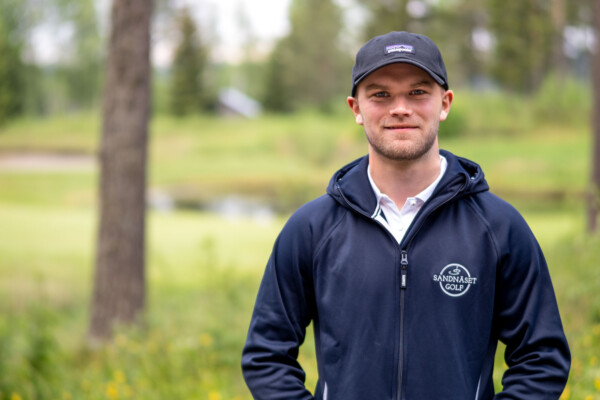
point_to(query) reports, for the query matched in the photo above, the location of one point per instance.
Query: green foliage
(524, 36)
(300, 72)
(465, 61)
(456, 124)
(494, 113)
(12, 84)
(187, 87)
(29, 354)
(278, 91)
(575, 267)
(560, 103)
(563, 100)
(6, 348)
(73, 83)
(386, 16)
(80, 68)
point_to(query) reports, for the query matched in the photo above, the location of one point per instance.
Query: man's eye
(380, 94)
(417, 92)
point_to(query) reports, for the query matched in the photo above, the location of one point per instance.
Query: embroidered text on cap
(400, 48)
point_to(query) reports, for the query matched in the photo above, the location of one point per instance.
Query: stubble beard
(404, 150)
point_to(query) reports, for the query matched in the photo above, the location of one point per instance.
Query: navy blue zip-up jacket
(419, 320)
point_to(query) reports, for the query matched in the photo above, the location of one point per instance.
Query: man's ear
(353, 103)
(447, 99)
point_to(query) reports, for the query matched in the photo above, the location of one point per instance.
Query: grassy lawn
(204, 268)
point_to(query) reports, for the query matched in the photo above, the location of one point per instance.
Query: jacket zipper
(404, 268)
(403, 272)
(403, 284)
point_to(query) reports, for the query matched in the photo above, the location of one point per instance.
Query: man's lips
(401, 127)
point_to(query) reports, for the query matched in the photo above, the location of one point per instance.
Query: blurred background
(249, 121)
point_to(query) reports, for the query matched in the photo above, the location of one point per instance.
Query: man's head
(399, 95)
(399, 47)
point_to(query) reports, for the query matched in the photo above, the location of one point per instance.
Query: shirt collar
(421, 197)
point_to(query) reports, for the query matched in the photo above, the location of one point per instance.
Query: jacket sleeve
(527, 320)
(281, 314)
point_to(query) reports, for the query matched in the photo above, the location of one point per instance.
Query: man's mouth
(401, 127)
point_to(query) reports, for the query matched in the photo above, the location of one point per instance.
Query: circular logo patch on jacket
(455, 280)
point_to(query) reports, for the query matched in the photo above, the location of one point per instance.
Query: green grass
(64, 189)
(551, 161)
(204, 269)
(74, 133)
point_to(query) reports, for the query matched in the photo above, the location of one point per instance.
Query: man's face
(400, 107)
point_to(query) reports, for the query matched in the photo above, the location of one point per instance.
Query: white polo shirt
(397, 221)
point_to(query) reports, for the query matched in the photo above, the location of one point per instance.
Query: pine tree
(12, 84)
(386, 16)
(308, 67)
(186, 86)
(524, 34)
(83, 69)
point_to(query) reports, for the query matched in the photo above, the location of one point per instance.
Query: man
(409, 268)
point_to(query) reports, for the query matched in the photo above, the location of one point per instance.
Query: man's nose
(400, 107)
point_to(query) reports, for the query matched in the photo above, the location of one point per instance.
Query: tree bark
(119, 282)
(594, 192)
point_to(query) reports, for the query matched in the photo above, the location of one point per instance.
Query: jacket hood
(350, 185)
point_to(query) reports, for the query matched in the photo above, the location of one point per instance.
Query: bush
(456, 125)
(493, 113)
(575, 268)
(563, 101)
(29, 355)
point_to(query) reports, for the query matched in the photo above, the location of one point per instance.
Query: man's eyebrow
(372, 86)
(424, 82)
(421, 83)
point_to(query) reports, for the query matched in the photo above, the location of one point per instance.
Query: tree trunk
(594, 192)
(119, 282)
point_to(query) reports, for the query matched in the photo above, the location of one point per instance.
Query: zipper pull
(403, 268)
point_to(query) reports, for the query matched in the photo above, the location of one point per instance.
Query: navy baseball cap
(399, 47)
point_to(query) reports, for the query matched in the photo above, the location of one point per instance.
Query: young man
(409, 268)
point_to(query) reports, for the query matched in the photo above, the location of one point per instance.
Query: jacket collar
(351, 187)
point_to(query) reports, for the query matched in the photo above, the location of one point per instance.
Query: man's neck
(400, 180)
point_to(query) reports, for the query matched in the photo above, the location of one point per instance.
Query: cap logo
(400, 48)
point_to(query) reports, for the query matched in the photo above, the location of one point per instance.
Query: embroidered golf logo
(455, 280)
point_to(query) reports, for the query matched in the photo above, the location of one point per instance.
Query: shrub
(563, 101)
